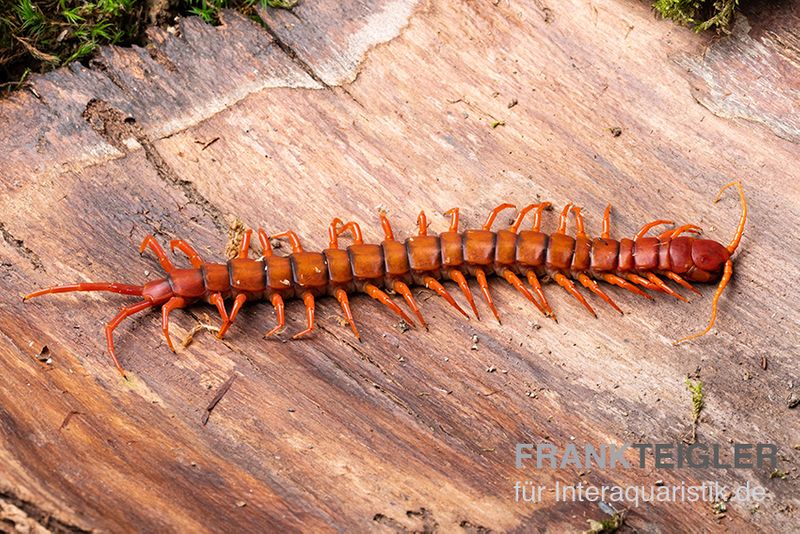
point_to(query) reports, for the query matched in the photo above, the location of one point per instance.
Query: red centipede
(426, 260)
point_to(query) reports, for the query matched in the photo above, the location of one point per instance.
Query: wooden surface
(333, 110)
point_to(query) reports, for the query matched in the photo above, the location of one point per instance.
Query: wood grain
(334, 110)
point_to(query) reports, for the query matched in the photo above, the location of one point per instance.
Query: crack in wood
(120, 129)
(19, 246)
(290, 52)
(36, 514)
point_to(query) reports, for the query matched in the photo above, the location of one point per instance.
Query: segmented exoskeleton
(424, 260)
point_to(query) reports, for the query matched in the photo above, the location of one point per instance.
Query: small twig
(218, 397)
(194, 331)
(68, 418)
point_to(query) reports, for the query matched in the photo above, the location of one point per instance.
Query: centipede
(513, 255)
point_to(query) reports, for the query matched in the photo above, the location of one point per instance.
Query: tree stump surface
(336, 109)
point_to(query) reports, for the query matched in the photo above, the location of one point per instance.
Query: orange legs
(537, 288)
(166, 309)
(113, 287)
(512, 279)
(647, 227)
(664, 287)
(403, 289)
(680, 281)
(484, 285)
(150, 241)
(624, 284)
(458, 277)
(186, 248)
(434, 285)
(123, 314)
(592, 286)
(308, 300)
(341, 296)
(238, 302)
(384, 299)
(277, 303)
(567, 284)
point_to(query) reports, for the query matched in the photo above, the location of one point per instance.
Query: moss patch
(700, 14)
(40, 35)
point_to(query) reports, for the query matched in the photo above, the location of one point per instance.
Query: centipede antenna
(113, 287)
(734, 244)
(726, 276)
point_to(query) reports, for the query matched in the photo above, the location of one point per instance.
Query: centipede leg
(675, 277)
(308, 300)
(644, 282)
(668, 290)
(624, 284)
(238, 302)
(112, 287)
(150, 241)
(384, 299)
(514, 280)
(458, 277)
(403, 289)
(592, 286)
(123, 314)
(537, 288)
(567, 284)
(434, 285)
(166, 309)
(341, 296)
(216, 300)
(277, 303)
(480, 276)
(194, 258)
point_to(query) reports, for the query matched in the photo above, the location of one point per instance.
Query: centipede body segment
(515, 255)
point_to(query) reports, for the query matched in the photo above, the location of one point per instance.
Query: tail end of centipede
(728, 269)
(113, 287)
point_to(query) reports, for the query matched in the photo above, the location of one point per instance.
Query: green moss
(696, 389)
(700, 14)
(39, 35)
(606, 526)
